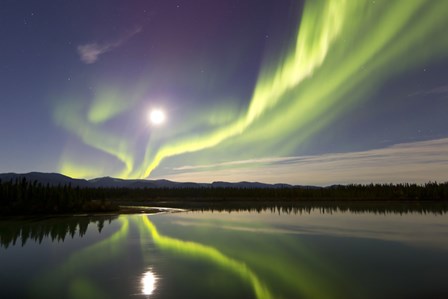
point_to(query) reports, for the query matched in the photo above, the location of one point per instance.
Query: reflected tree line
(56, 229)
(19, 232)
(25, 197)
(379, 208)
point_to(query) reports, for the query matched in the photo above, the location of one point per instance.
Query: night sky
(301, 92)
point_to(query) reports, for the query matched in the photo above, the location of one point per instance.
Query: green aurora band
(344, 50)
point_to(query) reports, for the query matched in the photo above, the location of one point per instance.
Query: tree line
(21, 196)
(431, 191)
(26, 197)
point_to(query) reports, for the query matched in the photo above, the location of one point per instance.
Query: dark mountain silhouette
(52, 179)
(55, 179)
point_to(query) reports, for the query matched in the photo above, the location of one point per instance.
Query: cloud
(89, 53)
(233, 163)
(417, 162)
(439, 90)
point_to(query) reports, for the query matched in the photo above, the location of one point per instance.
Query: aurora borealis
(303, 92)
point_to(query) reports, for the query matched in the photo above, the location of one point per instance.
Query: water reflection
(72, 275)
(196, 250)
(323, 207)
(149, 283)
(57, 228)
(316, 254)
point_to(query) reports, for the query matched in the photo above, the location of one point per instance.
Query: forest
(21, 196)
(25, 197)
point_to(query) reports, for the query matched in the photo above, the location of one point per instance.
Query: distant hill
(54, 179)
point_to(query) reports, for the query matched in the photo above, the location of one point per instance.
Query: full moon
(156, 117)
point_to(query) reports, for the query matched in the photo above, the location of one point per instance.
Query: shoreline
(123, 210)
(179, 206)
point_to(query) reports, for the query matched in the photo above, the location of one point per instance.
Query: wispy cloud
(89, 53)
(234, 163)
(439, 90)
(417, 162)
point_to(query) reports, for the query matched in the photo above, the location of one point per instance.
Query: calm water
(305, 253)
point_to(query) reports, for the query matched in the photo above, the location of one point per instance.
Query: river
(265, 253)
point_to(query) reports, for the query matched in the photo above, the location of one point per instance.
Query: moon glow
(156, 117)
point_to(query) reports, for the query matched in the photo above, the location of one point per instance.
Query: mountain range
(54, 179)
